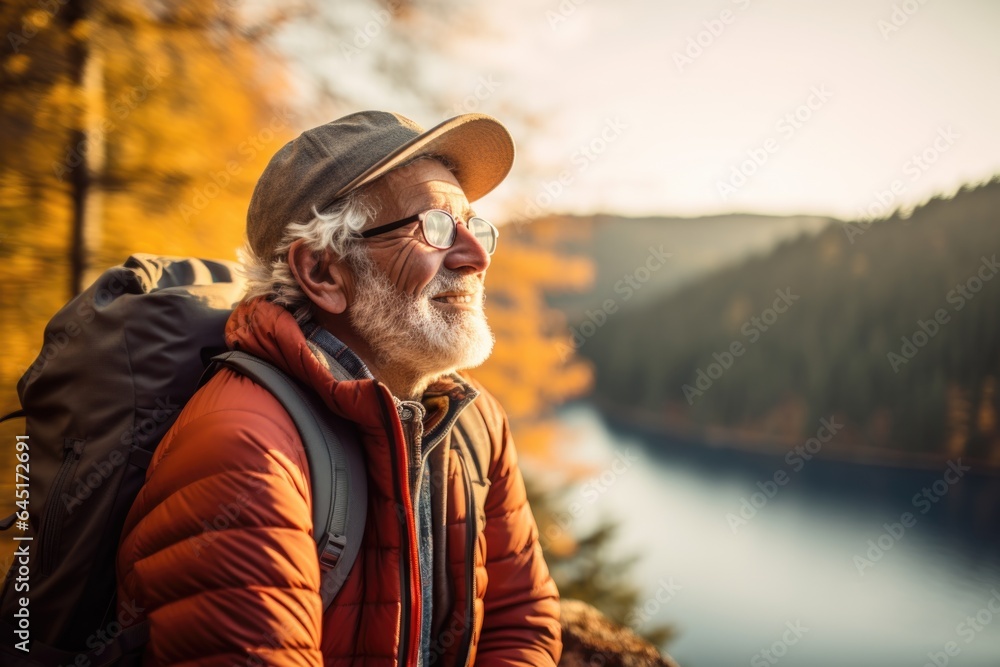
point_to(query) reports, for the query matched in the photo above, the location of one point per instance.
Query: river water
(840, 565)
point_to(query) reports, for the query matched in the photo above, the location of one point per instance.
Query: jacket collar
(341, 358)
(321, 361)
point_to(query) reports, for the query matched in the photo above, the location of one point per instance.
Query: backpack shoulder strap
(476, 451)
(476, 437)
(336, 468)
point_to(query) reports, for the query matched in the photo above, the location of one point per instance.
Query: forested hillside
(892, 328)
(697, 246)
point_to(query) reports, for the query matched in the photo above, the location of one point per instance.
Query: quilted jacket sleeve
(521, 625)
(217, 550)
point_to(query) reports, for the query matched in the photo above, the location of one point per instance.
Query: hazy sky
(697, 123)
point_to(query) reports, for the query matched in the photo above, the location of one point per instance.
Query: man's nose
(467, 255)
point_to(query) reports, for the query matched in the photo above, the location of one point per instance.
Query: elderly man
(367, 267)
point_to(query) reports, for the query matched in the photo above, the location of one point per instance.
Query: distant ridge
(618, 245)
(892, 328)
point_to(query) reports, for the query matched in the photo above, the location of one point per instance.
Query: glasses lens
(485, 233)
(439, 229)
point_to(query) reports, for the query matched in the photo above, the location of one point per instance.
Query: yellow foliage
(37, 19)
(180, 114)
(17, 63)
(533, 369)
(169, 106)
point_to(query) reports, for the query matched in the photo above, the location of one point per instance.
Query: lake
(840, 564)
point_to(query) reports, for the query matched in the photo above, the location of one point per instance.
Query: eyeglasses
(440, 229)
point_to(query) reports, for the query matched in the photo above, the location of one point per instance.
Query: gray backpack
(118, 363)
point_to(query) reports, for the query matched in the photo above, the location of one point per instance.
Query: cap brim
(479, 146)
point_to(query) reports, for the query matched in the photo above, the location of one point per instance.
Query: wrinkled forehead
(418, 186)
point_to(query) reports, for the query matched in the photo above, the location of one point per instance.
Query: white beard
(413, 333)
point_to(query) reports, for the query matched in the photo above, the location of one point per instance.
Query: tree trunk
(76, 153)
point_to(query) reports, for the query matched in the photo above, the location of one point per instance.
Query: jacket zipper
(470, 559)
(401, 482)
(51, 522)
(471, 515)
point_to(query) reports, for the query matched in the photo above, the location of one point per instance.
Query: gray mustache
(453, 283)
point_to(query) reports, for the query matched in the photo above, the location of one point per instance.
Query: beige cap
(326, 162)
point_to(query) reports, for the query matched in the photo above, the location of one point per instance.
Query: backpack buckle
(333, 547)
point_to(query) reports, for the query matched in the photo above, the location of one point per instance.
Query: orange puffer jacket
(218, 550)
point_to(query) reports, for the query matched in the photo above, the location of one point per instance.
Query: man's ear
(320, 276)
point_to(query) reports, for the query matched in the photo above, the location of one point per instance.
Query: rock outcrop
(590, 639)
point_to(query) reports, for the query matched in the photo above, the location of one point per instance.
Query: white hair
(334, 229)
